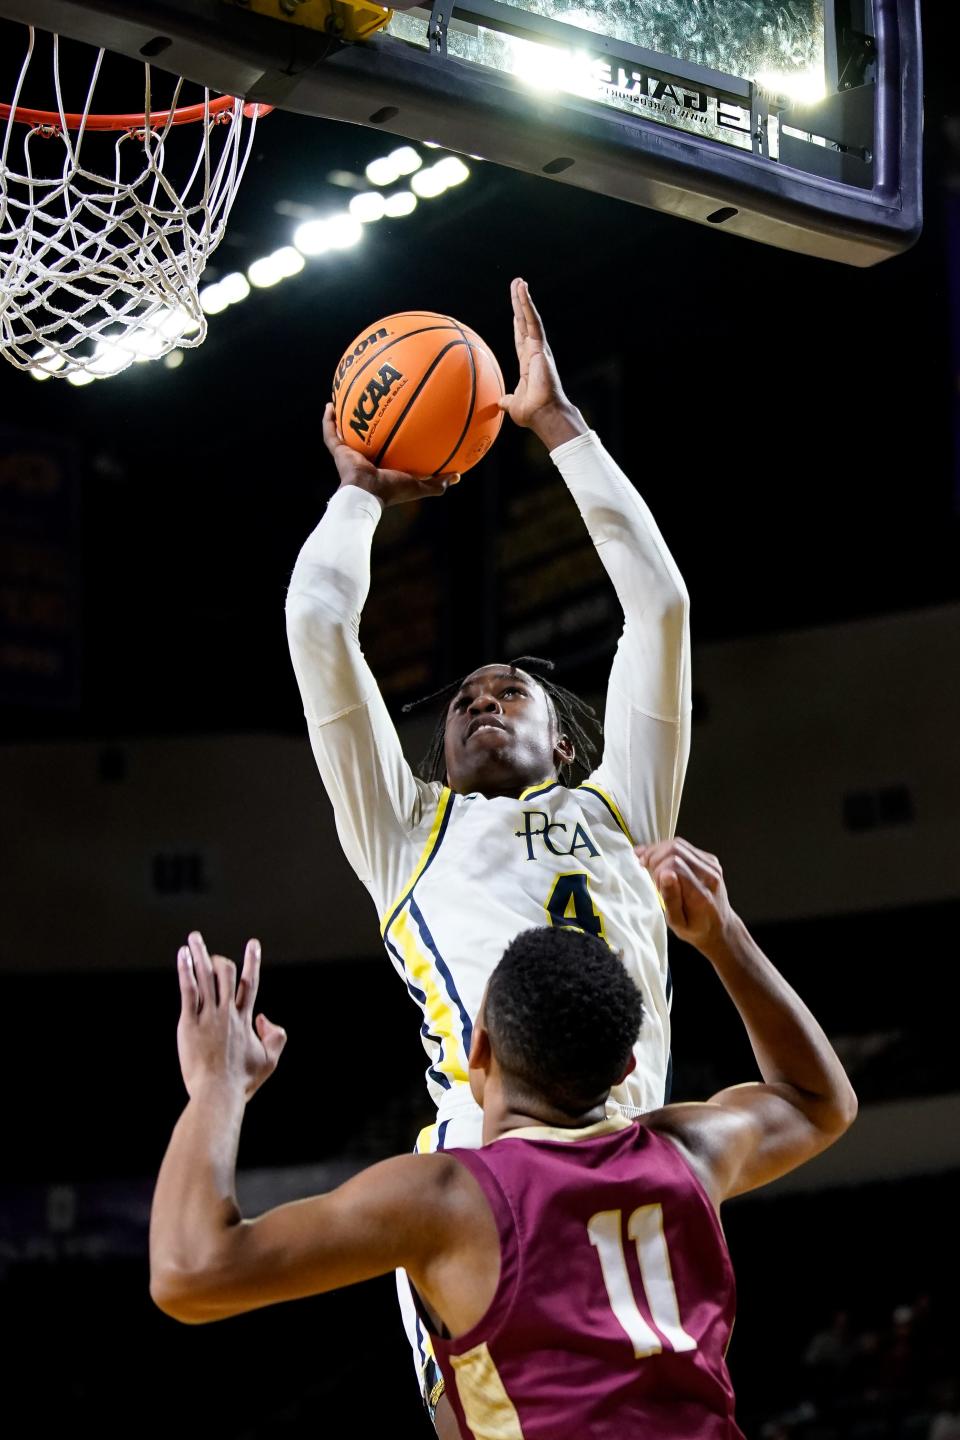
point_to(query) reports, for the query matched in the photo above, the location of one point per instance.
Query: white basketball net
(101, 253)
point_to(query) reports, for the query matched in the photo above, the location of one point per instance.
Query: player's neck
(510, 788)
(503, 1113)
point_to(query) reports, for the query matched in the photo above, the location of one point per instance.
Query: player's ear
(478, 1061)
(563, 751)
(480, 1052)
(631, 1066)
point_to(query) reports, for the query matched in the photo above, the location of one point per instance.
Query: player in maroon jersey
(573, 1271)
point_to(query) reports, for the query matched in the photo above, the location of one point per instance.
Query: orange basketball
(418, 392)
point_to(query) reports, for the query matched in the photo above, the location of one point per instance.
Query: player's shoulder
(447, 1188)
(700, 1134)
(602, 798)
(426, 1176)
(430, 793)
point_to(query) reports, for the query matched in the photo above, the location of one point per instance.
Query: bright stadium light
(550, 70)
(288, 261)
(81, 377)
(368, 206)
(381, 172)
(264, 272)
(537, 66)
(388, 168)
(171, 324)
(174, 360)
(405, 160)
(212, 301)
(402, 202)
(279, 265)
(107, 358)
(428, 184)
(345, 231)
(311, 238)
(452, 169)
(336, 232)
(46, 363)
(143, 345)
(805, 86)
(234, 287)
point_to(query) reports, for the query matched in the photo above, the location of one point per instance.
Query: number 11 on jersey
(645, 1228)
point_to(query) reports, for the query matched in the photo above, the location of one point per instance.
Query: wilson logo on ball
(370, 399)
(355, 354)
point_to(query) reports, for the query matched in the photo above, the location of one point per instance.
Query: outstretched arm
(376, 799)
(647, 721)
(751, 1134)
(207, 1262)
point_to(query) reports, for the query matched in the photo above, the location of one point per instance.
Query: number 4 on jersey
(572, 904)
(645, 1228)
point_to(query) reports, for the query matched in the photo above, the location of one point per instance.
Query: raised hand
(694, 895)
(391, 487)
(538, 401)
(218, 1037)
(539, 384)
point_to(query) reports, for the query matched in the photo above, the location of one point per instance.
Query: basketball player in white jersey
(458, 866)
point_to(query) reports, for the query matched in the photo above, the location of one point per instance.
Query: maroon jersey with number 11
(616, 1295)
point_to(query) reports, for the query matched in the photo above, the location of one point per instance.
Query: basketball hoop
(107, 222)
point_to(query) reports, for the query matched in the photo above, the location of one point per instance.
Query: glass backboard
(791, 122)
(778, 45)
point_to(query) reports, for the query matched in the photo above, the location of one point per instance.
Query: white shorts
(461, 1129)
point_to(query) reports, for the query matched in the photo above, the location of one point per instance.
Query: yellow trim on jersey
(609, 1125)
(439, 1010)
(426, 1141)
(443, 804)
(487, 1407)
(532, 791)
(614, 807)
(615, 810)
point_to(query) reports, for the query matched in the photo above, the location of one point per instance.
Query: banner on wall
(953, 281)
(39, 571)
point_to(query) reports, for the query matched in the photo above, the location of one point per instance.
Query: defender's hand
(218, 1037)
(391, 487)
(694, 895)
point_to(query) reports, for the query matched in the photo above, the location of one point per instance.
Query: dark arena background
(794, 425)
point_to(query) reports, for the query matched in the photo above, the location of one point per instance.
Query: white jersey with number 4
(456, 877)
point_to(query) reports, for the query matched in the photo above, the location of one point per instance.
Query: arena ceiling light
(453, 170)
(390, 168)
(115, 349)
(430, 183)
(271, 269)
(368, 207)
(47, 363)
(228, 291)
(234, 287)
(551, 70)
(400, 203)
(336, 232)
(807, 87)
(212, 300)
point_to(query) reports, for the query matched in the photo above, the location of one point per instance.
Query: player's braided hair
(563, 1016)
(575, 719)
